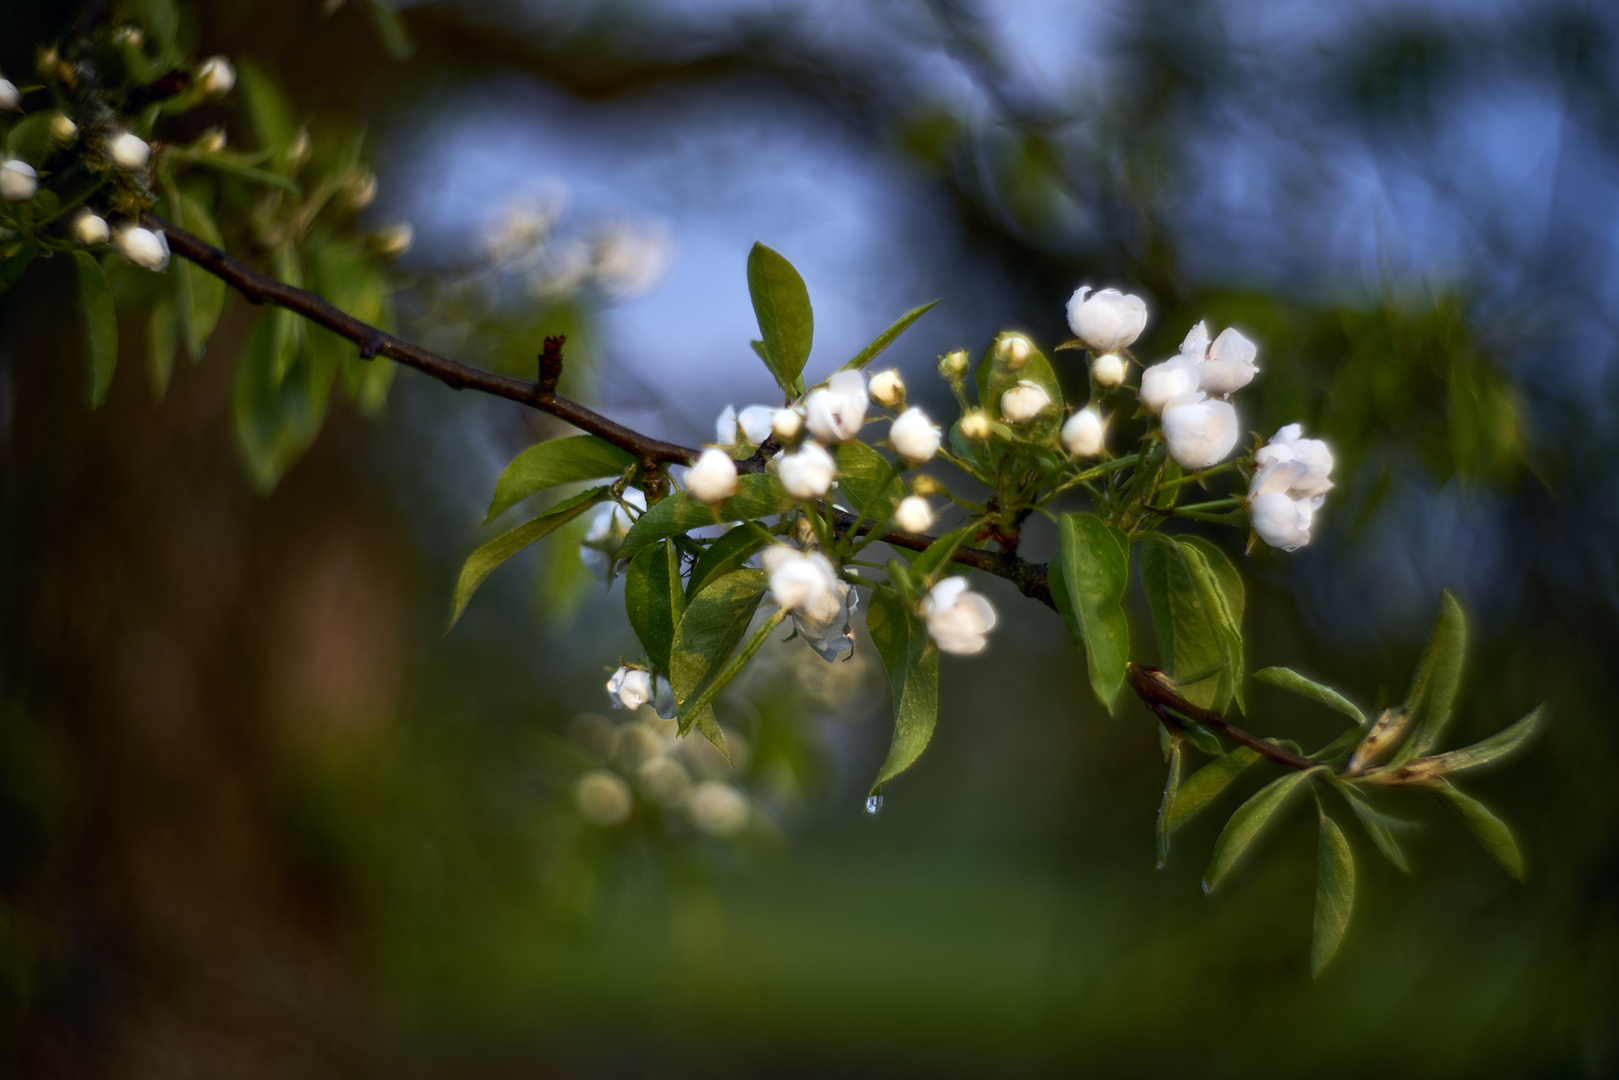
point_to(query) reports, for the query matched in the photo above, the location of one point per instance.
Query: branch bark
(1157, 693)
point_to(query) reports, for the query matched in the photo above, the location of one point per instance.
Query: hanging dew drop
(874, 803)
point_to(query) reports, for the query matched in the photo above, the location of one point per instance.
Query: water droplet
(874, 803)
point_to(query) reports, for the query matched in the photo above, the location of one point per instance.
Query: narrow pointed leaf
(100, 324)
(1378, 826)
(887, 337)
(162, 343)
(1206, 784)
(1438, 675)
(556, 461)
(1334, 894)
(1091, 570)
(201, 295)
(1288, 679)
(1490, 830)
(937, 554)
(782, 305)
(1220, 590)
(715, 621)
(912, 664)
(1188, 641)
(1493, 749)
(758, 495)
(1166, 808)
(482, 562)
(1247, 823)
(654, 600)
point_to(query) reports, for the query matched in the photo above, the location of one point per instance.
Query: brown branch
(1158, 694)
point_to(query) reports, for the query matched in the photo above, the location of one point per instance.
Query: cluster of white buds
(807, 585)
(1288, 487)
(1189, 391)
(18, 180)
(631, 687)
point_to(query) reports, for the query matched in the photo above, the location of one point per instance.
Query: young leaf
(1188, 641)
(162, 342)
(887, 338)
(1166, 808)
(482, 562)
(861, 472)
(1247, 823)
(937, 554)
(556, 461)
(201, 295)
(782, 305)
(727, 553)
(101, 325)
(1490, 830)
(1202, 738)
(714, 623)
(912, 664)
(1334, 894)
(280, 399)
(1378, 826)
(1205, 785)
(1288, 679)
(1494, 748)
(758, 495)
(1433, 687)
(654, 599)
(1092, 569)
(1219, 588)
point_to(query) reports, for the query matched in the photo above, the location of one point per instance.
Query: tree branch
(1158, 694)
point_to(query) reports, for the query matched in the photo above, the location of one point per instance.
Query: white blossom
(1082, 434)
(1229, 365)
(825, 625)
(63, 129)
(18, 180)
(216, 76)
(975, 425)
(807, 472)
(1280, 521)
(1172, 379)
(786, 423)
(1287, 445)
(1200, 432)
(836, 412)
(913, 436)
(129, 151)
(798, 579)
(1024, 401)
(603, 798)
(1196, 342)
(144, 248)
(630, 688)
(1013, 350)
(1107, 321)
(609, 526)
(755, 422)
(888, 389)
(725, 426)
(713, 477)
(1288, 488)
(718, 808)
(1107, 370)
(89, 228)
(913, 515)
(957, 618)
(9, 97)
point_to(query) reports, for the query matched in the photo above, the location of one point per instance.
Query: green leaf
(937, 554)
(1189, 643)
(654, 598)
(887, 337)
(1334, 894)
(280, 399)
(557, 461)
(1288, 679)
(1220, 590)
(268, 110)
(1434, 685)
(758, 495)
(714, 623)
(727, 553)
(354, 283)
(782, 305)
(1246, 824)
(861, 472)
(1166, 807)
(1378, 826)
(201, 296)
(1091, 570)
(162, 342)
(995, 379)
(1206, 785)
(16, 260)
(1202, 738)
(1492, 749)
(1490, 830)
(912, 663)
(100, 323)
(482, 562)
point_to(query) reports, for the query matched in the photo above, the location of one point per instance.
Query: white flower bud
(9, 97)
(1082, 434)
(1200, 433)
(718, 808)
(630, 688)
(143, 247)
(88, 228)
(725, 426)
(213, 141)
(63, 129)
(975, 425)
(957, 618)
(394, 240)
(18, 180)
(1285, 447)
(913, 515)
(1024, 401)
(798, 580)
(807, 472)
(913, 436)
(888, 389)
(216, 76)
(836, 412)
(129, 151)
(1108, 321)
(756, 422)
(1163, 383)
(786, 423)
(1281, 521)
(603, 798)
(713, 477)
(1196, 342)
(953, 364)
(1107, 370)
(1013, 350)
(1230, 364)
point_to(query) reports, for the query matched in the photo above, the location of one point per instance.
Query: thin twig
(1155, 691)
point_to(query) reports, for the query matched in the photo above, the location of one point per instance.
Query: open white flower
(713, 478)
(608, 527)
(1108, 321)
(18, 180)
(1174, 378)
(786, 424)
(798, 579)
(144, 248)
(807, 472)
(1280, 521)
(1196, 342)
(1082, 434)
(129, 151)
(836, 412)
(957, 618)
(913, 515)
(1200, 432)
(630, 688)
(1024, 401)
(90, 228)
(1288, 488)
(1107, 371)
(1287, 445)
(827, 625)
(1229, 365)
(888, 389)
(913, 436)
